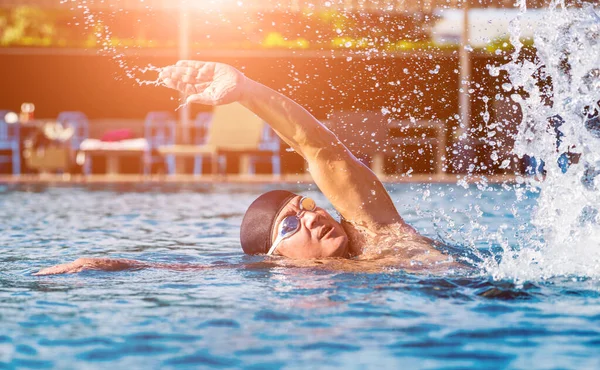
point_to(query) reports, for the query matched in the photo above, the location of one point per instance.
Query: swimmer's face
(319, 236)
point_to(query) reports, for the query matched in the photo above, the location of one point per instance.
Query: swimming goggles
(291, 224)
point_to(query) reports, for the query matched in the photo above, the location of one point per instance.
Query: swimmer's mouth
(325, 230)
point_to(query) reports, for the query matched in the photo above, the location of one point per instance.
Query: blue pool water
(265, 318)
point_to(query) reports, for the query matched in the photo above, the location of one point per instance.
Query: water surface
(271, 317)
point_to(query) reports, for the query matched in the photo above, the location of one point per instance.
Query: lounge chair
(77, 122)
(9, 141)
(199, 137)
(159, 131)
(270, 143)
(232, 129)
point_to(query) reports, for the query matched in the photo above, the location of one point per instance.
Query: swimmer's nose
(311, 219)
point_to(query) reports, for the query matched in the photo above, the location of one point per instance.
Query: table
(113, 156)
(215, 153)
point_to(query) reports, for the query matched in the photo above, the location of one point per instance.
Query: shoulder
(375, 238)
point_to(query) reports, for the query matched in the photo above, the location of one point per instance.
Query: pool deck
(57, 179)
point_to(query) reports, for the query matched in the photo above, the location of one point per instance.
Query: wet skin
(369, 214)
(319, 236)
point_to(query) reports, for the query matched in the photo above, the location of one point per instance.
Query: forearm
(97, 264)
(351, 187)
(112, 264)
(294, 124)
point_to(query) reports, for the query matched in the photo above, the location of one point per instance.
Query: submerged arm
(332, 264)
(101, 264)
(113, 264)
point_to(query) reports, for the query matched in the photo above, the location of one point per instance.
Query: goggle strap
(275, 244)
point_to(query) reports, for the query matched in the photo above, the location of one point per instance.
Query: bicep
(352, 188)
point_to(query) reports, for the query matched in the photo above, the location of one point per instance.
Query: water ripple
(259, 317)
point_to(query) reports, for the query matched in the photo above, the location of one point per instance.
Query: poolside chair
(199, 137)
(9, 141)
(232, 129)
(235, 129)
(78, 123)
(159, 130)
(270, 143)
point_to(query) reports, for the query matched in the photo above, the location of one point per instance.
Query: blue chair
(9, 140)
(270, 143)
(159, 130)
(199, 136)
(80, 124)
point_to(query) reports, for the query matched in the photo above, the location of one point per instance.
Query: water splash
(96, 21)
(558, 91)
(555, 91)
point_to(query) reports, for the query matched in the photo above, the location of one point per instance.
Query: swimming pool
(270, 317)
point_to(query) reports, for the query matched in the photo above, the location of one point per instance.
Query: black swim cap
(257, 226)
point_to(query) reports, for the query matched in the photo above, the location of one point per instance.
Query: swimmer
(289, 228)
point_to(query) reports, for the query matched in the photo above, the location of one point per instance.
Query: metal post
(184, 53)
(464, 82)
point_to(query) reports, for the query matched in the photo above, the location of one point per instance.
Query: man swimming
(281, 223)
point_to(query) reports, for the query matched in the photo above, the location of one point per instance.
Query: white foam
(568, 51)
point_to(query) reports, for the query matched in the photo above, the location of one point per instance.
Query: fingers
(178, 78)
(200, 87)
(193, 64)
(181, 71)
(198, 98)
(54, 270)
(65, 268)
(181, 86)
(165, 77)
(168, 76)
(188, 71)
(207, 69)
(193, 78)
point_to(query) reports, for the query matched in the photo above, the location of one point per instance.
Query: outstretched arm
(349, 185)
(333, 264)
(112, 264)
(100, 264)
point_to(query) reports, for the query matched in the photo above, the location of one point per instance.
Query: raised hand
(204, 82)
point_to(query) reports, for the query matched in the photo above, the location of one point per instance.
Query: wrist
(247, 91)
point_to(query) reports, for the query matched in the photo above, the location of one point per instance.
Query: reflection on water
(269, 317)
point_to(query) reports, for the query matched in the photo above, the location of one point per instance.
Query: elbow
(317, 140)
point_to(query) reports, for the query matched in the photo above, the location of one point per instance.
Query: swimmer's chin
(343, 251)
